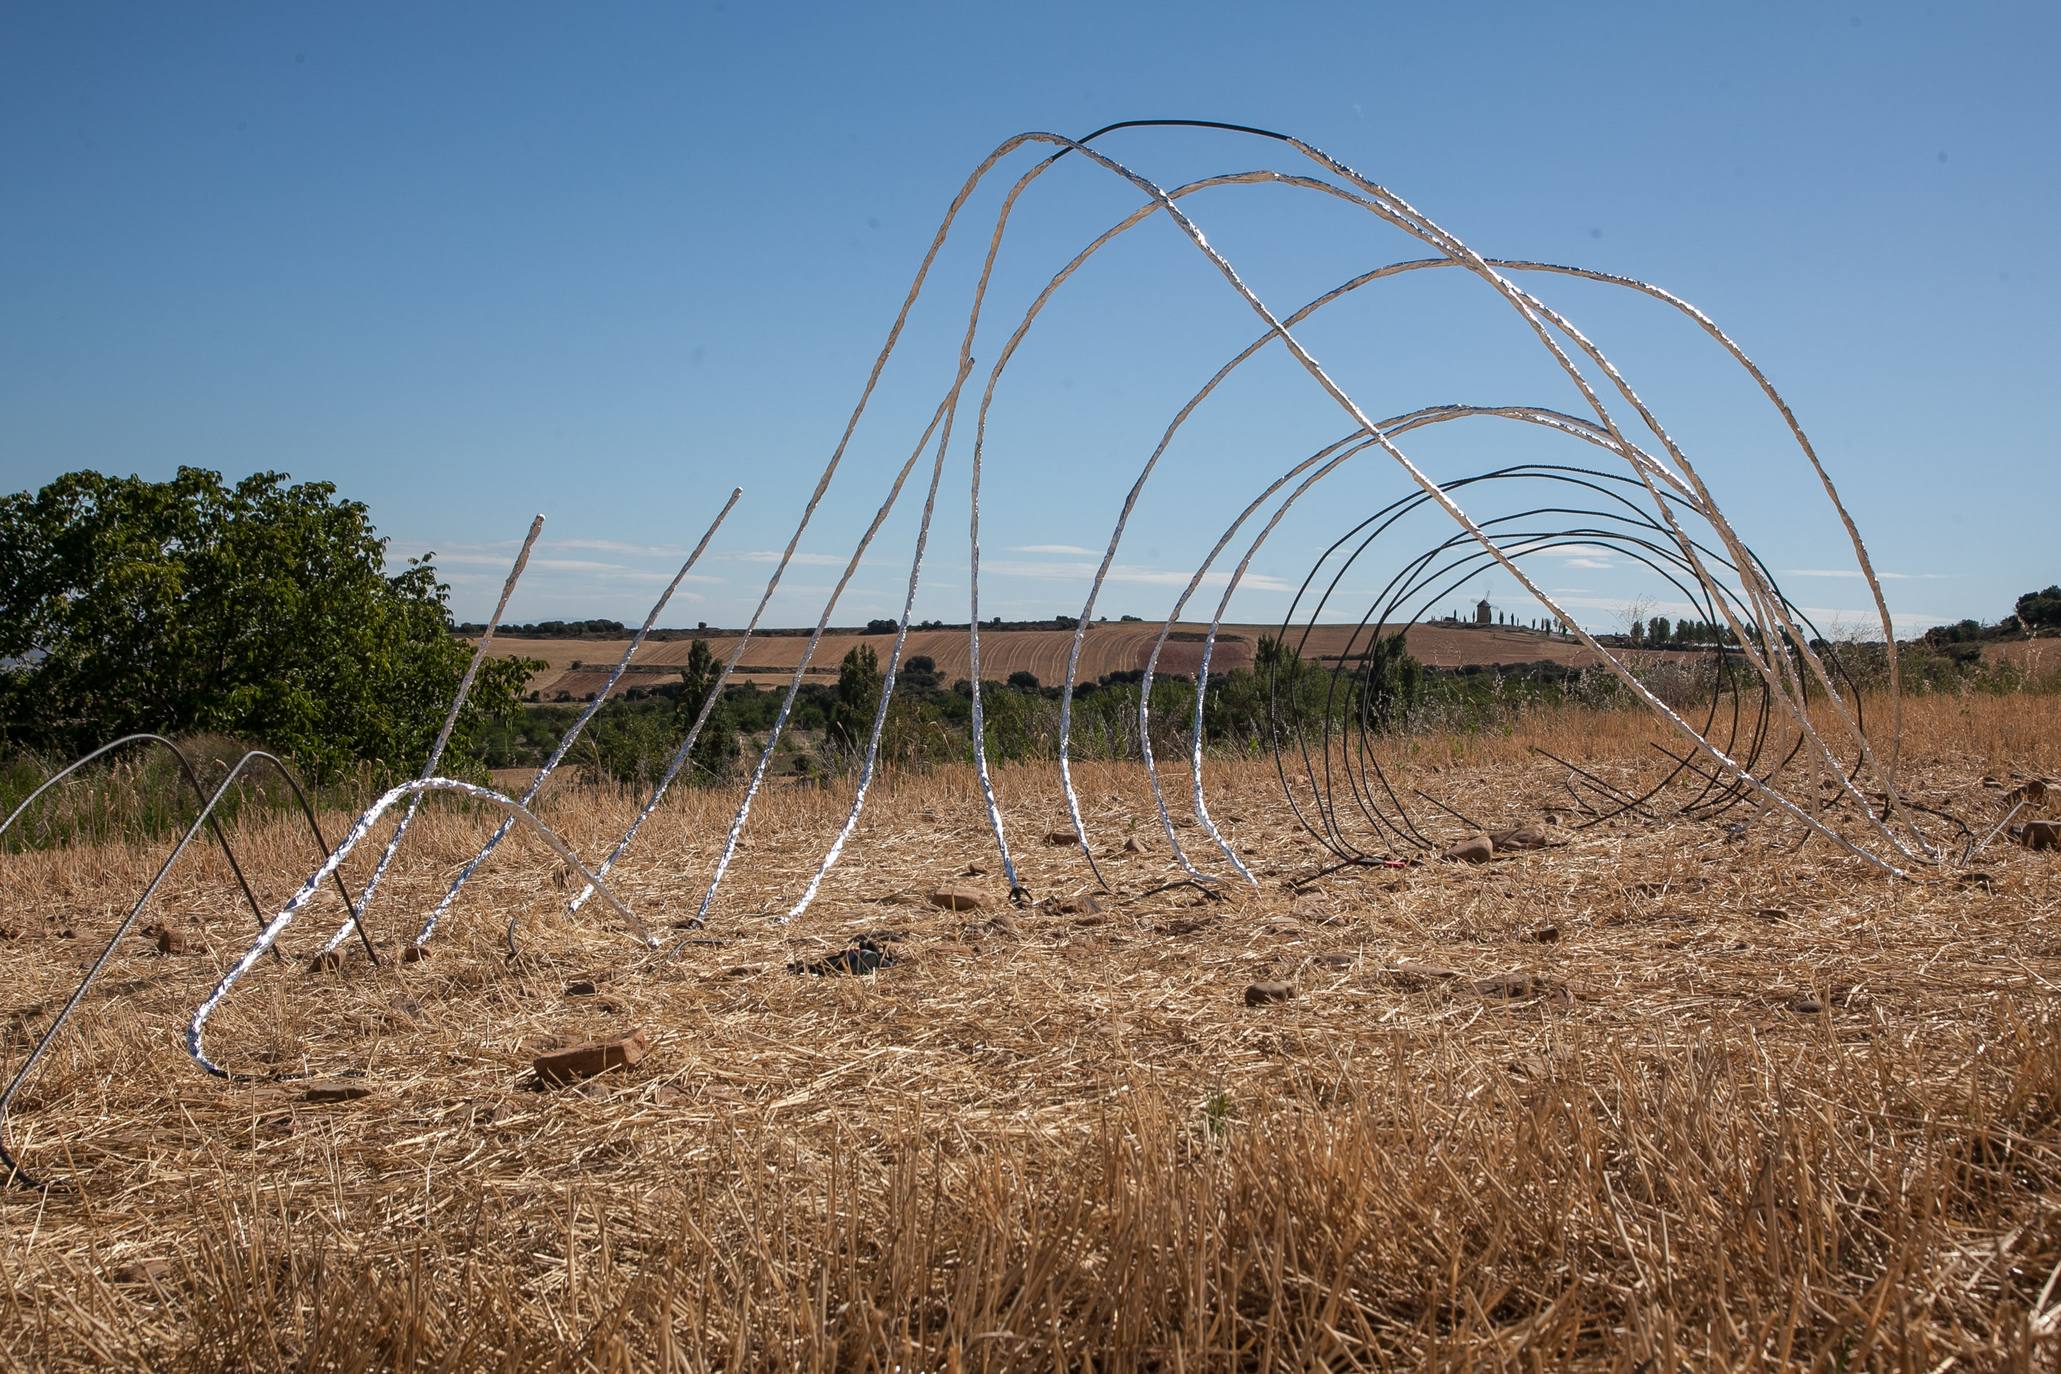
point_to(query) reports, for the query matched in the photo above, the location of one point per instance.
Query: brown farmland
(1654, 1096)
(1108, 648)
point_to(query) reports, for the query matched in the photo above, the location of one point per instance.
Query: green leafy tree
(858, 696)
(920, 674)
(2040, 610)
(716, 748)
(1393, 683)
(1270, 657)
(263, 610)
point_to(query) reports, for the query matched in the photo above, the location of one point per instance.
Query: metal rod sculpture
(1773, 641)
(1774, 699)
(206, 818)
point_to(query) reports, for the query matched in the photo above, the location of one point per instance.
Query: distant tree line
(615, 629)
(550, 629)
(1658, 632)
(929, 720)
(2033, 613)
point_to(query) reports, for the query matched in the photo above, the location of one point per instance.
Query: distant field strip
(1108, 649)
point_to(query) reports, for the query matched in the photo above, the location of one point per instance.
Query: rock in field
(172, 940)
(1519, 985)
(2040, 835)
(1410, 976)
(1261, 994)
(1478, 850)
(959, 897)
(151, 1270)
(865, 954)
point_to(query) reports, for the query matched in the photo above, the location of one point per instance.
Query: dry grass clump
(1655, 1096)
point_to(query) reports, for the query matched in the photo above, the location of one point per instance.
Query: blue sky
(470, 262)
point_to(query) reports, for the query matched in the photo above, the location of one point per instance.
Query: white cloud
(1540, 548)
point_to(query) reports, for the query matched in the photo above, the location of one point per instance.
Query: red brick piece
(584, 1061)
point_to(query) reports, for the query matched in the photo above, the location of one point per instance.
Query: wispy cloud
(807, 560)
(1833, 621)
(1127, 574)
(1856, 572)
(621, 572)
(618, 546)
(502, 551)
(1061, 550)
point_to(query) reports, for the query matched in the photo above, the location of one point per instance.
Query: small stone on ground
(959, 897)
(1478, 850)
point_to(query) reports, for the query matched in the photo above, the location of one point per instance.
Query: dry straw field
(1654, 1097)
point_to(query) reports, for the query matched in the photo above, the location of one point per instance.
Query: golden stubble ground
(1659, 1096)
